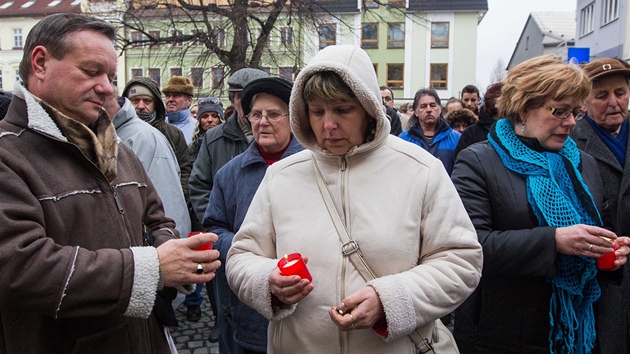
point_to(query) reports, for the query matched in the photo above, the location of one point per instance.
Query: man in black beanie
(144, 94)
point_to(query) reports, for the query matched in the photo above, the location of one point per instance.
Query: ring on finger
(590, 248)
(199, 268)
(351, 321)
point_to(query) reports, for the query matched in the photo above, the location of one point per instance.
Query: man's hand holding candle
(289, 289)
(363, 309)
(180, 262)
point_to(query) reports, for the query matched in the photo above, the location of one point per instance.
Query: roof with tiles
(448, 5)
(556, 26)
(34, 8)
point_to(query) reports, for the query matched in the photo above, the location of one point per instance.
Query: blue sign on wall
(579, 55)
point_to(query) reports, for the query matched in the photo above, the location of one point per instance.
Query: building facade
(545, 33)
(17, 17)
(602, 26)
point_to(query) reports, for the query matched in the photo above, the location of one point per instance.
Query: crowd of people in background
(507, 213)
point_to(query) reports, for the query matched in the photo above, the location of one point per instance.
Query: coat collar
(37, 118)
(252, 155)
(593, 144)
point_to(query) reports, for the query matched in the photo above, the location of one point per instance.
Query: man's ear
(39, 61)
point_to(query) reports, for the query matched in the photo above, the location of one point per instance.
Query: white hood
(355, 68)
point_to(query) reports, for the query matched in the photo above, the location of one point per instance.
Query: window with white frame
(17, 38)
(218, 74)
(610, 11)
(587, 19)
(156, 37)
(136, 72)
(176, 71)
(218, 36)
(286, 36)
(177, 38)
(136, 37)
(156, 74)
(198, 37)
(196, 75)
(16, 72)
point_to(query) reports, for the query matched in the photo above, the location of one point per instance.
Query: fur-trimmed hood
(354, 67)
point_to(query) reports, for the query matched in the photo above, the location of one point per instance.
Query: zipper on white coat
(344, 166)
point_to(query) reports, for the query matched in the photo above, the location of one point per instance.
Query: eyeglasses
(209, 101)
(562, 113)
(272, 117)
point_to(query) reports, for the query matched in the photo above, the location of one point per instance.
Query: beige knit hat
(179, 84)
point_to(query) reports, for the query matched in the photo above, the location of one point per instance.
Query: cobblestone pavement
(192, 337)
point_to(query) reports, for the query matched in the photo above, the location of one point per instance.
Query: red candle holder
(293, 264)
(606, 261)
(205, 246)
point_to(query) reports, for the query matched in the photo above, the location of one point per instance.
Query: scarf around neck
(558, 197)
(616, 144)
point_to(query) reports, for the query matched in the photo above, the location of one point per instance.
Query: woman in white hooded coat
(396, 201)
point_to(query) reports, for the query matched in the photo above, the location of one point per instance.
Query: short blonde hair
(531, 83)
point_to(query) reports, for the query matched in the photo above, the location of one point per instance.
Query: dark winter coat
(509, 311)
(175, 136)
(613, 307)
(234, 188)
(69, 244)
(476, 132)
(220, 144)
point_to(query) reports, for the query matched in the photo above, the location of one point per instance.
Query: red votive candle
(606, 261)
(293, 264)
(206, 246)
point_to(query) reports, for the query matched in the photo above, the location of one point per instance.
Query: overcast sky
(501, 27)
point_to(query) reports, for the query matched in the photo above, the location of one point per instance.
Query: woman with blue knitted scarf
(535, 201)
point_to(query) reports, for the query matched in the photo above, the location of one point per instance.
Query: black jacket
(613, 307)
(509, 311)
(220, 144)
(476, 132)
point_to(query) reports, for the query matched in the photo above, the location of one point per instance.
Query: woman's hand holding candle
(289, 289)
(363, 309)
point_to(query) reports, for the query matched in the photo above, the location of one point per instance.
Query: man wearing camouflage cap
(219, 146)
(604, 135)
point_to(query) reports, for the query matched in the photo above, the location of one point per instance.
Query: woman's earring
(522, 127)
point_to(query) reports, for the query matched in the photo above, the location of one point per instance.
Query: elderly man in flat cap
(604, 134)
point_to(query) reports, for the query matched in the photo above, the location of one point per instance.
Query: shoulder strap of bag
(350, 249)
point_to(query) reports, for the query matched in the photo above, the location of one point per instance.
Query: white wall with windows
(602, 26)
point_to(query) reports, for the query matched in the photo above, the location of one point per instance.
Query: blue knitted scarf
(558, 197)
